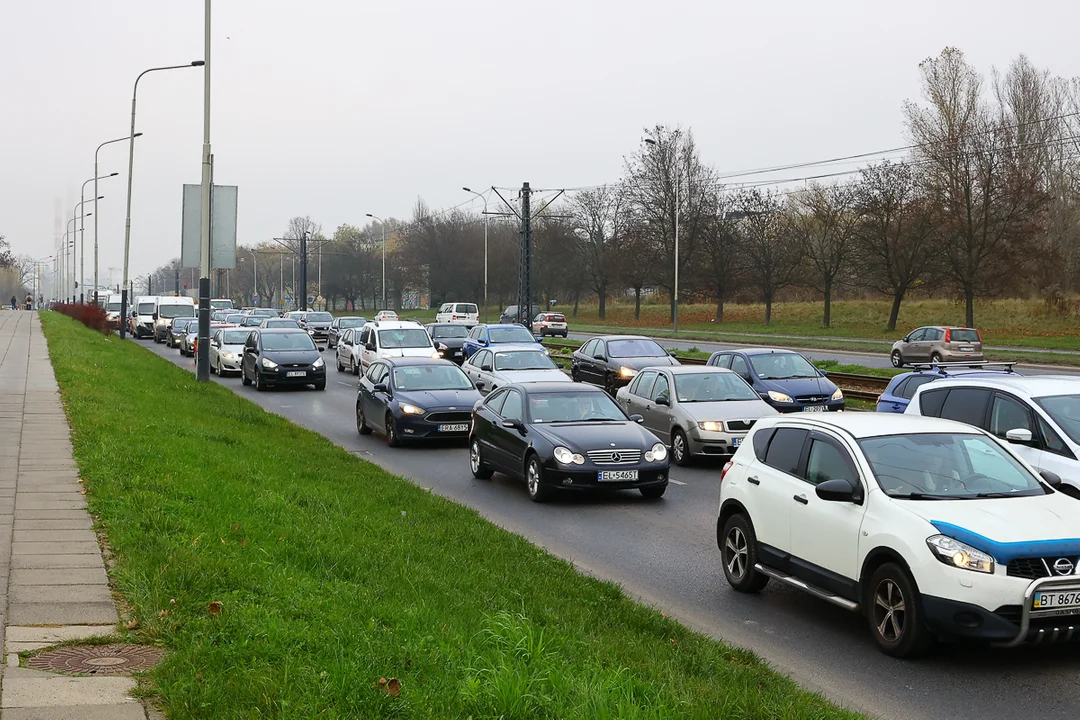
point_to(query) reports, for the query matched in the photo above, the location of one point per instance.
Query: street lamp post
(82, 230)
(675, 289)
(131, 163)
(484, 198)
(255, 269)
(382, 224)
(107, 142)
(73, 222)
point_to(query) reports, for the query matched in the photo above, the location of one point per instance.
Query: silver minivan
(938, 344)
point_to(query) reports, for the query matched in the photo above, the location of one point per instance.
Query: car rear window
(556, 318)
(964, 335)
(761, 442)
(467, 308)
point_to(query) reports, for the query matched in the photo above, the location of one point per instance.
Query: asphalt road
(873, 360)
(664, 552)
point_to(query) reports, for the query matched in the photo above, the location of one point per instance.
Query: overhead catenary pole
(525, 266)
(202, 367)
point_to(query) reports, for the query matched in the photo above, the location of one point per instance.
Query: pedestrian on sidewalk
(14, 303)
(29, 302)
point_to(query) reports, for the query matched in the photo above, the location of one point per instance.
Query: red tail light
(948, 335)
(724, 470)
(978, 335)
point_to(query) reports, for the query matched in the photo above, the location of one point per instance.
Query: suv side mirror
(1019, 436)
(837, 490)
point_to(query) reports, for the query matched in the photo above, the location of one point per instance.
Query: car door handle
(753, 480)
(802, 499)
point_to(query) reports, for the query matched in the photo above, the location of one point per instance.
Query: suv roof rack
(975, 365)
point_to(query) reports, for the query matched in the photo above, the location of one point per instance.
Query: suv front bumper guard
(1066, 631)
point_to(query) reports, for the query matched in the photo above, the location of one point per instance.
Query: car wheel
(243, 375)
(739, 556)
(897, 359)
(680, 450)
(574, 374)
(480, 470)
(392, 438)
(212, 370)
(534, 480)
(609, 385)
(935, 358)
(654, 491)
(320, 385)
(564, 336)
(894, 613)
(361, 422)
(340, 367)
(355, 367)
(259, 384)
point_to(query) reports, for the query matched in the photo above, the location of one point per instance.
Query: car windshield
(712, 387)
(174, 311)
(295, 315)
(449, 331)
(319, 317)
(234, 337)
(964, 335)
(946, 466)
(635, 348)
(221, 304)
(282, 323)
(573, 407)
(146, 309)
(523, 360)
(252, 321)
(404, 338)
(181, 323)
(510, 335)
(782, 366)
(352, 322)
(264, 312)
(430, 377)
(287, 341)
(1064, 410)
(235, 319)
(113, 307)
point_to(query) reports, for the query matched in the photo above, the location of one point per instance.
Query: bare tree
(773, 254)
(894, 247)
(823, 220)
(723, 252)
(599, 222)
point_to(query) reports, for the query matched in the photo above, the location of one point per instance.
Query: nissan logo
(1063, 566)
(617, 457)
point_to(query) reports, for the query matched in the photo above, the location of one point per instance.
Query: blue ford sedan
(783, 378)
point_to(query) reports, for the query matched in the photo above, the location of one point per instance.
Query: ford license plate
(617, 475)
(814, 408)
(454, 427)
(296, 373)
(1056, 600)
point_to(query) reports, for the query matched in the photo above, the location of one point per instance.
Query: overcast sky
(336, 108)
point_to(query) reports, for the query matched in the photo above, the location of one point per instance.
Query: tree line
(985, 202)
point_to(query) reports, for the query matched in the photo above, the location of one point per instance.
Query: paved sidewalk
(53, 585)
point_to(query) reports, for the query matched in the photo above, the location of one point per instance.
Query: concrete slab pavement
(53, 584)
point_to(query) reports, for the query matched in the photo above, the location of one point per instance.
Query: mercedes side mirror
(637, 418)
(671, 353)
(836, 490)
(486, 367)
(599, 356)
(512, 424)
(321, 348)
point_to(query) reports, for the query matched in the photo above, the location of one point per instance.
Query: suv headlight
(268, 364)
(411, 409)
(627, 372)
(658, 453)
(711, 426)
(957, 554)
(779, 397)
(838, 395)
(568, 457)
(318, 363)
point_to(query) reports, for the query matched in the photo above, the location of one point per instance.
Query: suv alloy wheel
(739, 555)
(894, 612)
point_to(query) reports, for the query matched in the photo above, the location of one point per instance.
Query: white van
(112, 309)
(169, 307)
(395, 338)
(141, 316)
(465, 314)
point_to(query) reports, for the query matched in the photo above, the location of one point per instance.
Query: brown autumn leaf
(163, 613)
(214, 608)
(235, 528)
(222, 540)
(391, 686)
(243, 543)
(132, 624)
(83, 491)
(80, 480)
(674, 641)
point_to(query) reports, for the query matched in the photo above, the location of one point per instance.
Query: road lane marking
(677, 482)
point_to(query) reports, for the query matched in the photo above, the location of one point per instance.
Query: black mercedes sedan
(276, 357)
(562, 435)
(409, 398)
(448, 339)
(612, 361)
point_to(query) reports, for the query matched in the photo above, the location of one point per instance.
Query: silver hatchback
(938, 344)
(695, 410)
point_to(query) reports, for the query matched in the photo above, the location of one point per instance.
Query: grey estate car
(695, 410)
(938, 344)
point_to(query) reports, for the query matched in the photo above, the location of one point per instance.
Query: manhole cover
(96, 659)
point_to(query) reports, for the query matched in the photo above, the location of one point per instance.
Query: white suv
(394, 338)
(461, 313)
(1040, 416)
(929, 528)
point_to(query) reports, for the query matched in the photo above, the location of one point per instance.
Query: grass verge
(287, 577)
